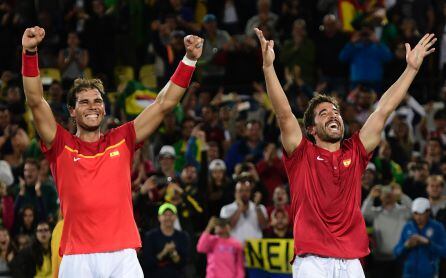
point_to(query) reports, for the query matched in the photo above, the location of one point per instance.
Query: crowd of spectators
(211, 176)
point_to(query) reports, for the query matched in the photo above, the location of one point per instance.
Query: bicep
(147, 121)
(44, 122)
(370, 133)
(290, 133)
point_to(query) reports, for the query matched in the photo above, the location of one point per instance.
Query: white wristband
(189, 62)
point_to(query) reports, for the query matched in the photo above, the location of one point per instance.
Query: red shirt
(326, 197)
(93, 183)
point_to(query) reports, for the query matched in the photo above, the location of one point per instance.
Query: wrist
(183, 74)
(188, 61)
(30, 51)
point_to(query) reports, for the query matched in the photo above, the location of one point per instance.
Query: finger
(407, 47)
(260, 37)
(422, 39)
(430, 43)
(430, 51)
(199, 43)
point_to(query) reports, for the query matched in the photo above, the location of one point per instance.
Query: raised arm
(151, 117)
(44, 120)
(289, 127)
(370, 133)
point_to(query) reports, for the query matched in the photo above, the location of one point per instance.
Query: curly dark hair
(82, 84)
(309, 113)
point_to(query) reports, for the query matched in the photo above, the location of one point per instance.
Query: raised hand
(267, 49)
(414, 57)
(32, 37)
(194, 47)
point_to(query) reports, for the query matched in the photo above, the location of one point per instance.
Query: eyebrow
(323, 110)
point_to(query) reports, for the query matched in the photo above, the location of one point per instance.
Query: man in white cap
(422, 242)
(166, 159)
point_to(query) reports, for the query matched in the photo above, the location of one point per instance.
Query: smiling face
(328, 124)
(89, 110)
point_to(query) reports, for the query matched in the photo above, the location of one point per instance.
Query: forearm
(263, 222)
(276, 94)
(397, 92)
(235, 218)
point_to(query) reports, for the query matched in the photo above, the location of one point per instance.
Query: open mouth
(92, 116)
(334, 126)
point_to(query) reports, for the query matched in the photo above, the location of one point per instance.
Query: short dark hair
(33, 162)
(83, 84)
(309, 113)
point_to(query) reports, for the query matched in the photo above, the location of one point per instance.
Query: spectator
(35, 260)
(72, 60)
(329, 44)
(224, 253)
(366, 58)
(25, 222)
(216, 42)
(270, 169)
(389, 170)
(7, 253)
(388, 220)
(166, 159)
(7, 207)
(300, 50)
(31, 191)
(248, 149)
(422, 243)
(280, 225)
(247, 218)
(220, 189)
(435, 187)
(415, 183)
(264, 16)
(434, 154)
(368, 180)
(165, 249)
(280, 201)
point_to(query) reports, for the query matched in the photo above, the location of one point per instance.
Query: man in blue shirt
(422, 243)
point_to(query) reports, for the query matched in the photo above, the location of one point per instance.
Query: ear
(311, 130)
(72, 112)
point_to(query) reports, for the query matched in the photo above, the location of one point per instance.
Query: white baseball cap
(5, 173)
(167, 151)
(371, 166)
(217, 164)
(420, 205)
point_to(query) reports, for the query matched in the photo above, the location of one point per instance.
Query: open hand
(32, 37)
(415, 56)
(267, 49)
(194, 46)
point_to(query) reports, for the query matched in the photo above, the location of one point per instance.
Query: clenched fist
(194, 46)
(32, 37)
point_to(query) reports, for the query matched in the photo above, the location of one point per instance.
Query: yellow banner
(272, 255)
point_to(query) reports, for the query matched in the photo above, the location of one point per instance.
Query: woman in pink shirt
(224, 254)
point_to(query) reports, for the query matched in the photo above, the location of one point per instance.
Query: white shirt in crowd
(247, 226)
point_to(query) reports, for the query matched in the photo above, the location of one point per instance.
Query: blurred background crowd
(218, 153)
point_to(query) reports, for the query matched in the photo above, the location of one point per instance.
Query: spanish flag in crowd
(349, 9)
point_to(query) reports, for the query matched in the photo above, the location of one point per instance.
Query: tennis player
(325, 171)
(92, 169)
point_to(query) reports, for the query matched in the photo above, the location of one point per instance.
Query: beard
(323, 134)
(90, 128)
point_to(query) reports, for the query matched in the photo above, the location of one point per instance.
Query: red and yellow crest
(347, 162)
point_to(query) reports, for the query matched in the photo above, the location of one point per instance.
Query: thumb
(271, 44)
(407, 48)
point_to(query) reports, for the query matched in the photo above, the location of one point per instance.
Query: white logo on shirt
(76, 159)
(319, 158)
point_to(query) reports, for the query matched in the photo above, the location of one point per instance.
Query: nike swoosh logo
(319, 158)
(76, 158)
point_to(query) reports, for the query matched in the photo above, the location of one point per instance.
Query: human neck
(280, 232)
(167, 230)
(88, 136)
(331, 147)
(435, 199)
